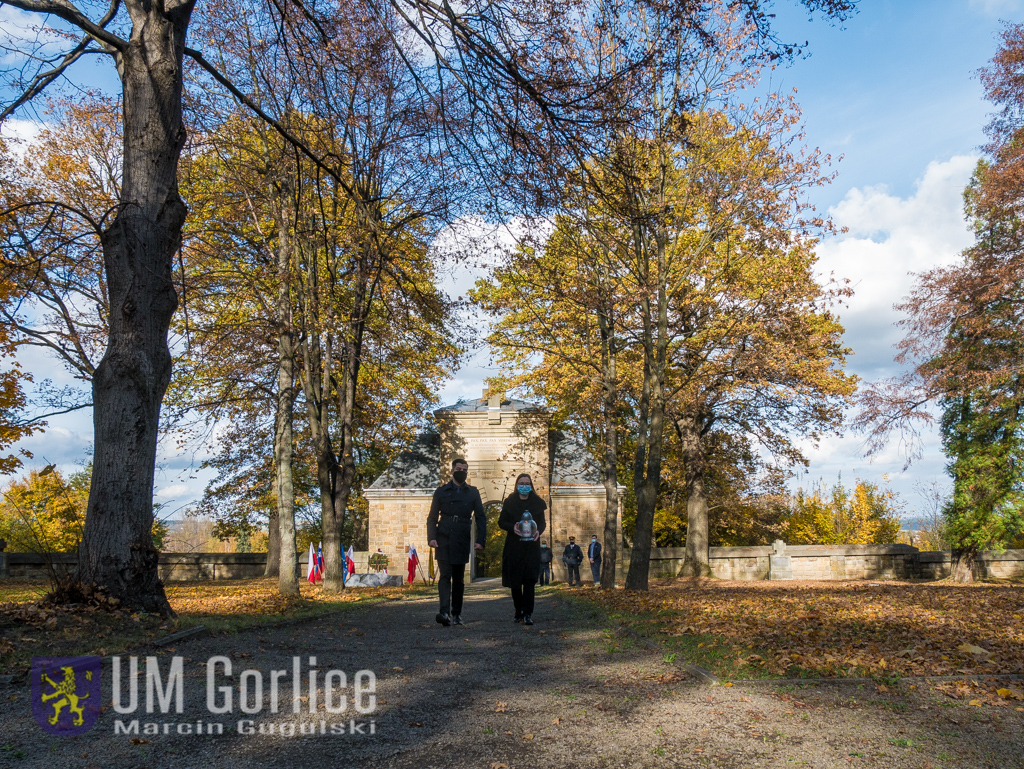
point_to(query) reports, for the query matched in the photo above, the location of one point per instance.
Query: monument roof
(480, 404)
(418, 467)
(572, 464)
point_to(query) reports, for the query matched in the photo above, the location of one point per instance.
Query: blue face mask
(524, 489)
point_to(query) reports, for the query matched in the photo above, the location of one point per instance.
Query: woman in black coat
(520, 561)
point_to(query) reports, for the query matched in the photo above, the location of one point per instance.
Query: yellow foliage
(43, 512)
(867, 515)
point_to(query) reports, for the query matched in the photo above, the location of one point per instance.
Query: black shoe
(443, 619)
(528, 619)
(456, 619)
(518, 618)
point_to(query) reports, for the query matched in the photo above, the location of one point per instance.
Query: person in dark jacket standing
(594, 554)
(546, 557)
(572, 557)
(449, 532)
(520, 561)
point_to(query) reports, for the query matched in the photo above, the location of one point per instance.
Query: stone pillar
(779, 564)
(838, 566)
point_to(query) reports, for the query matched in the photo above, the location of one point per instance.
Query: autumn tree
(44, 512)
(868, 514)
(239, 351)
(746, 496)
(721, 325)
(508, 69)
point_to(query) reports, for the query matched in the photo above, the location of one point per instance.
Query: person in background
(572, 557)
(520, 561)
(594, 554)
(450, 533)
(546, 557)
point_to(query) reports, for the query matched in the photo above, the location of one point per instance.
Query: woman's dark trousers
(522, 597)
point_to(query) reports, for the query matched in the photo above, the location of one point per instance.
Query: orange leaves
(842, 630)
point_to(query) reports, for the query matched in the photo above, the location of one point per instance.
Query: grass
(227, 606)
(711, 652)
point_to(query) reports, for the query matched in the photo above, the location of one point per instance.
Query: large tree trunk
(696, 562)
(117, 552)
(346, 469)
(316, 382)
(610, 474)
(273, 567)
(962, 569)
(610, 479)
(283, 444)
(647, 467)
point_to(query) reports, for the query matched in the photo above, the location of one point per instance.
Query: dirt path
(491, 695)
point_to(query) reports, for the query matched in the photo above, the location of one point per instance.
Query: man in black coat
(450, 533)
(594, 554)
(572, 557)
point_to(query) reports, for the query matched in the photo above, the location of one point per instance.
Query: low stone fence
(780, 561)
(173, 567)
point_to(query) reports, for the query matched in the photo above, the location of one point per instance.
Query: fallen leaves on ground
(980, 693)
(80, 628)
(839, 629)
(257, 596)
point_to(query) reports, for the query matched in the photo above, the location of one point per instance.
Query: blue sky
(893, 91)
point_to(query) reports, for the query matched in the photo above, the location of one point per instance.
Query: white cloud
(21, 130)
(889, 239)
(24, 32)
(172, 492)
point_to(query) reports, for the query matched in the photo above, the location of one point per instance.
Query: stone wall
(173, 567)
(577, 511)
(398, 519)
(780, 561)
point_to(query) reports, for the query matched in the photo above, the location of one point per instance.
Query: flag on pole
(311, 566)
(414, 561)
(344, 565)
(349, 556)
(320, 561)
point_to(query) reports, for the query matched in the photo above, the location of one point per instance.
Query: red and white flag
(311, 570)
(414, 561)
(351, 563)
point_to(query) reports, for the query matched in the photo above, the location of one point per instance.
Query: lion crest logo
(66, 693)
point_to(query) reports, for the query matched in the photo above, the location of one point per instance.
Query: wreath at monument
(378, 562)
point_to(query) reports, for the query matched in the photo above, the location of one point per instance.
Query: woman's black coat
(520, 561)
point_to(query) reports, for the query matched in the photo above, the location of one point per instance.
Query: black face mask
(460, 476)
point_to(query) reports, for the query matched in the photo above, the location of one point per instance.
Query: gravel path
(494, 695)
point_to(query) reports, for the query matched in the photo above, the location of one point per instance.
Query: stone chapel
(500, 437)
